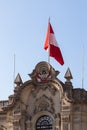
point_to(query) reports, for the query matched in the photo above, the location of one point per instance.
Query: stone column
(57, 124)
(23, 120)
(65, 123)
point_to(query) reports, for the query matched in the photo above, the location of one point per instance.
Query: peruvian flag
(51, 45)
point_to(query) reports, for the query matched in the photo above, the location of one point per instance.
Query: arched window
(44, 123)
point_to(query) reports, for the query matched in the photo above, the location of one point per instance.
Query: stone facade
(44, 103)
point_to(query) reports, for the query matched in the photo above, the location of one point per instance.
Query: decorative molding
(65, 118)
(36, 89)
(44, 104)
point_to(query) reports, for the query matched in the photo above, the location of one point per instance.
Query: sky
(23, 26)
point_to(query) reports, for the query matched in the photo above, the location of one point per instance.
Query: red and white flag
(51, 44)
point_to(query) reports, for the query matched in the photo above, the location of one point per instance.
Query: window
(44, 123)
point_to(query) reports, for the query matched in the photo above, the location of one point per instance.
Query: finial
(18, 80)
(68, 75)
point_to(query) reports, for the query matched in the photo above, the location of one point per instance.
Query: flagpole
(49, 40)
(14, 72)
(83, 68)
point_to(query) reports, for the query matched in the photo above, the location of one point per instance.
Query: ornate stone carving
(65, 118)
(52, 89)
(36, 89)
(66, 108)
(58, 116)
(17, 109)
(44, 104)
(65, 126)
(43, 72)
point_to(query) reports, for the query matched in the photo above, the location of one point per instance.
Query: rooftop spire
(18, 79)
(68, 75)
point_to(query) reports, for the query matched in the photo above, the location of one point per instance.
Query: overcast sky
(23, 26)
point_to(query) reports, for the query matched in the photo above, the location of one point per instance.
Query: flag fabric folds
(52, 46)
